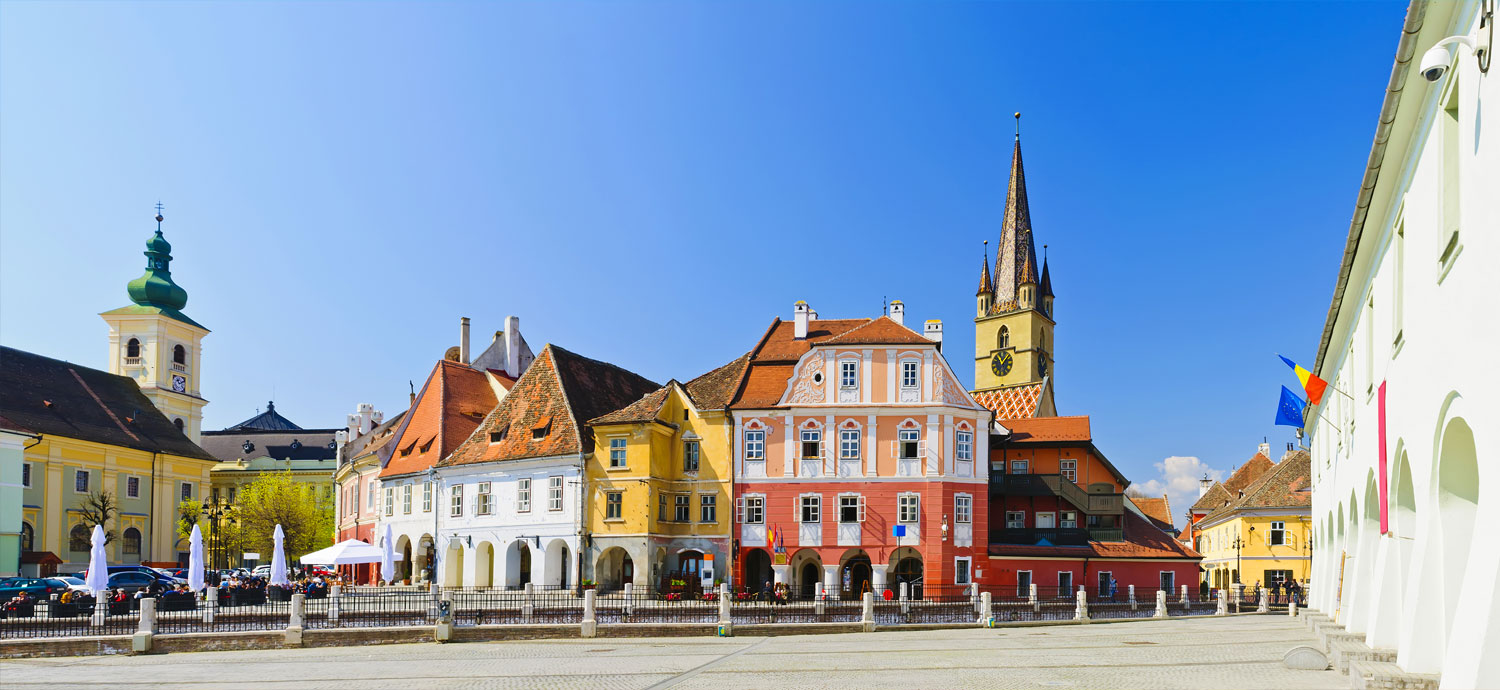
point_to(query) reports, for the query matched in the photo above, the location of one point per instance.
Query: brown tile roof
(880, 331)
(1015, 402)
(644, 410)
(780, 343)
(1141, 539)
(451, 404)
(1242, 477)
(1158, 509)
(1049, 429)
(714, 390)
(555, 398)
(1288, 485)
(42, 395)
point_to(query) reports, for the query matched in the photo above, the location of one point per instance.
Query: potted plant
(589, 584)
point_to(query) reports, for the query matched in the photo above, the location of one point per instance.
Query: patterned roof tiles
(1015, 402)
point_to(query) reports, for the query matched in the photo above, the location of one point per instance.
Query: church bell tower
(153, 342)
(1013, 323)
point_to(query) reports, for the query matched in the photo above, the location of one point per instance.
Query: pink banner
(1385, 511)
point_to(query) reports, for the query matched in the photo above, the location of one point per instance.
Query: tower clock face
(1001, 363)
(179, 384)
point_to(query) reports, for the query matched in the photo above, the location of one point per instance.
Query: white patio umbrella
(347, 552)
(98, 577)
(195, 560)
(278, 561)
(388, 558)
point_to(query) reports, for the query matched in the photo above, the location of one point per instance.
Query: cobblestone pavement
(1236, 652)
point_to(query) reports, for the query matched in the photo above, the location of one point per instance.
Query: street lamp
(432, 478)
(216, 512)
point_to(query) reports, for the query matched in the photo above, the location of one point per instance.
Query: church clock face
(1001, 363)
(179, 384)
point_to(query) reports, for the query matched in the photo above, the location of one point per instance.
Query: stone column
(1264, 605)
(877, 577)
(867, 612)
(590, 624)
(1223, 607)
(1081, 610)
(629, 598)
(1132, 597)
(1291, 608)
(819, 606)
(142, 641)
(830, 579)
(1184, 599)
(726, 617)
(210, 603)
(905, 598)
(335, 593)
(1161, 603)
(779, 574)
(526, 607)
(986, 608)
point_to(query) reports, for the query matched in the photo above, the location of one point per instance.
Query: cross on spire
(159, 216)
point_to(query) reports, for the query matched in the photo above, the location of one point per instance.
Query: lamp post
(216, 512)
(433, 477)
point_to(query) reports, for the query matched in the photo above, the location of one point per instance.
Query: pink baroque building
(856, 444)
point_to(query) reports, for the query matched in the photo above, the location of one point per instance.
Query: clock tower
(154, 343)
(1013, 364)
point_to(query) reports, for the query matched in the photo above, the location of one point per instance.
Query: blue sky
(651, 184)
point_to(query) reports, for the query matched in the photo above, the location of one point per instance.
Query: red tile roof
(1015, 402)
(1042, 429)
(714, 390)
(881, 331)
(547, 411)
(643, 410)
(1158, 509)
(774, 357)
(1242, 477)
(450, 406)
(1287, 485)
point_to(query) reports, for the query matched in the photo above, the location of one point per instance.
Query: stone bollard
(629, 589)
(1036, 606)
(1291, 608)
(140, 643)
(1184, 599)
(444, 629)
(986, 609)
(294, 624)
(334, 594)
(1223, 607)
(1132, 597)
(101, 609)
(432, 609)
(726, 614)
(590, 625)
(526, 608)
(974, 598)
(210, 603)
(819, 607)
(905, 598)
(1265, 604)
(867, 612)
(1081, 609)
(1161, 604)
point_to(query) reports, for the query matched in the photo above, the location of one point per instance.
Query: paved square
(1236, 652)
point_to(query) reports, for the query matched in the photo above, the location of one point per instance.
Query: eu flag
(1289, 412)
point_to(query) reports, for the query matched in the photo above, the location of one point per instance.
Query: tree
(188, 512)
(99, 507)
(275, 498)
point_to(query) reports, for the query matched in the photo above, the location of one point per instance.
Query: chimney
(352, 425)
(799, 319)
(898, 312)
(513, 346)
(463, 340)
(1203, 485)
(366, 412)
(933, 329)
(1265, 449)
(411, 396)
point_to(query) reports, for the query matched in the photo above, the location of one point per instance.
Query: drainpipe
(151, 547)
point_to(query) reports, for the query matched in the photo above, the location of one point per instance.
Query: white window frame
(406, 499)
(692, 456)
(905, 436)
(908, 508)
(370, 500)
(1024, 465)
(849, 442)
(752, 509)
(963, 509)
(1065, 522)
(390, 501)
(963, 570)
(1060, 589)
(132, 487)
(810, 504)
(849, 374)
(755, 445)
(1015, 519)
(554, 493)
(1068, 468)
(859, 508)
(483, 499)
(84, 474)
(1278, 528)
(617, 456)
(1171, 575)
(810, 436)
(964, 446)
(682, 508)
(456, 500)
(426, 497)
(911, 373)
(523, 495)
(708, 508)
(1030, 580)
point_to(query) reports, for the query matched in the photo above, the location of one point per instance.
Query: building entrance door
(1046, 520)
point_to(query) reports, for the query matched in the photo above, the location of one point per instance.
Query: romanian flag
(1312, 385)
(771, 537)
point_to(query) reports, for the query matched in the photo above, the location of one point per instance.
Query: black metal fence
(54, 618)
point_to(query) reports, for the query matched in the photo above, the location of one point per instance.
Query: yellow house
(1261, 535)
(659, 486)
(84, 431)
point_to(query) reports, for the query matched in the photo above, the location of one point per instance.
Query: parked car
(111, 570)
(74, 583)
(133, 581)
(323, 570)
(38, 588)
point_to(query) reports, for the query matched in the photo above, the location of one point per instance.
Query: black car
(36, 587)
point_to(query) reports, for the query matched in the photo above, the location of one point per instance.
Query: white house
(513, 493)
(1403, 508)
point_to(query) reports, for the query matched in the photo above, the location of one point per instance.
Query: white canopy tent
(347, 552)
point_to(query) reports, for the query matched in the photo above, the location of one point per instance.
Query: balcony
(132, 361)
(178, 366)
(1056, 536)
(1106, 534)
(1057, 485)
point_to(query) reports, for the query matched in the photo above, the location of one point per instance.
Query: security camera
(1437, 59)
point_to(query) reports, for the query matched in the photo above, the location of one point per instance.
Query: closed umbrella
(98, 577)
(278, 561)
(388, 558)
(195, 560)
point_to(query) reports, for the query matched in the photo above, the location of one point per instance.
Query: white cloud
(1177, 477)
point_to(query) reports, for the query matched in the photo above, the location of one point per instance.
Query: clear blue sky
(650, 184)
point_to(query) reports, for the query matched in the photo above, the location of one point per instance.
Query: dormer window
(540, 432)
(498, 436)
(247, 446)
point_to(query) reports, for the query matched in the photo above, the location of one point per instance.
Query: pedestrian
(1113, 586)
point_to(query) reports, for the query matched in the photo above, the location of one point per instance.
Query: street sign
(898, 531)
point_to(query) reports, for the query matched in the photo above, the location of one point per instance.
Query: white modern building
(513, 495)
(1403, 507)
